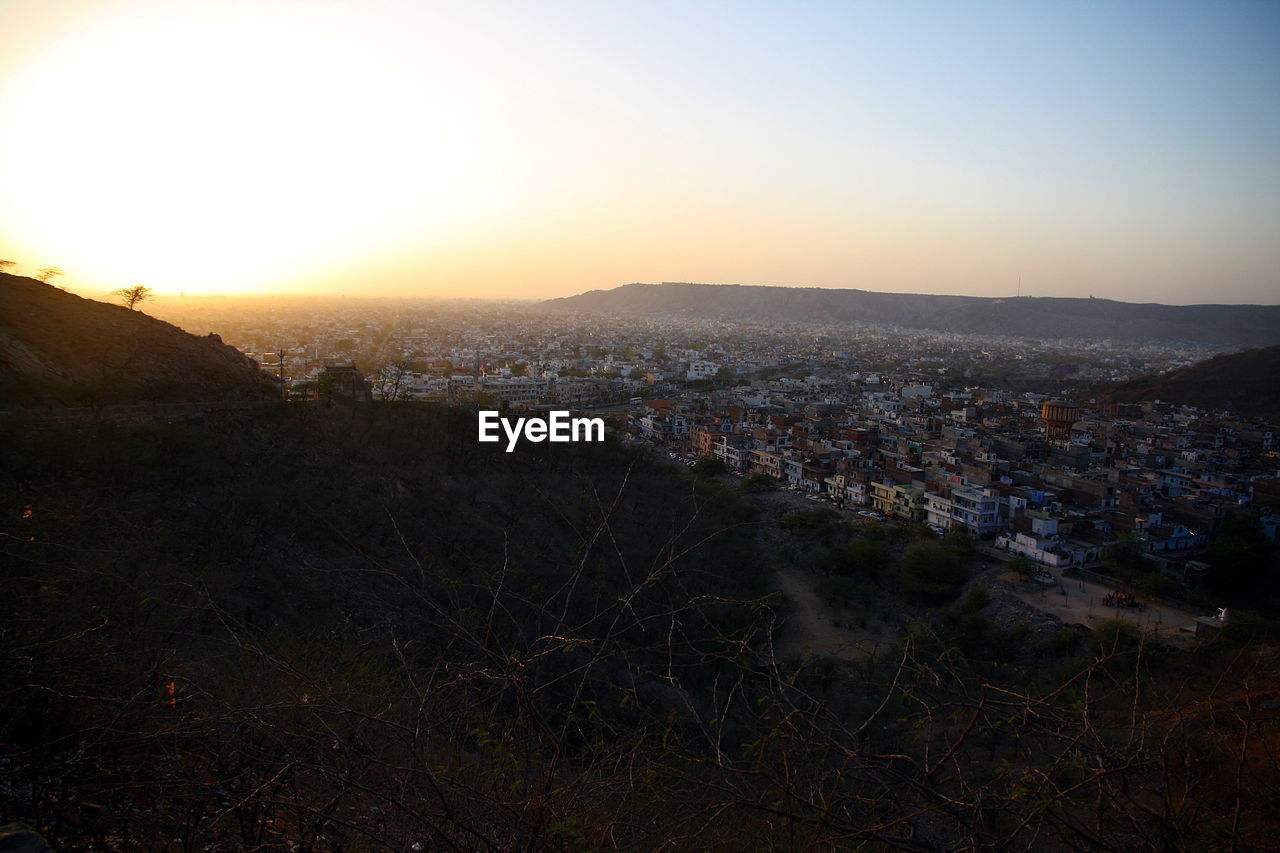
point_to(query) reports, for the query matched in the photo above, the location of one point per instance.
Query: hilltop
(1040, 317)
(1247, 382)
(57, 348)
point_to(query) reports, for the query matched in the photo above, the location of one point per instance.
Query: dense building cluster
(924, 427)
(1002, 465)
(517, 353)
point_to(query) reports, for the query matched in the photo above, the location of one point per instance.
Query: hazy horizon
(103, 294)
(493, 150)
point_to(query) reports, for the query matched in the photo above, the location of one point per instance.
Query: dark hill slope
(357, 628)
(1247, 382)
(371, 597)
(57, 348)
(1049, 317)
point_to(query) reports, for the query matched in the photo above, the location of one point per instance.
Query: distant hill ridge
(1246, 382)
(1039, 317)
(57, 348)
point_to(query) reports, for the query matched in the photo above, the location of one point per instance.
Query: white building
(977, 510)
(701, 370)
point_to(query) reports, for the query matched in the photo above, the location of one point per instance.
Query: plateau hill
(1229, 326)
(57, 348)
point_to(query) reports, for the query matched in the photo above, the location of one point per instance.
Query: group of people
(1119, 598)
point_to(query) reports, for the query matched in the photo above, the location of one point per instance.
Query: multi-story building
(895, 500)
(520, 391)
(976, 510)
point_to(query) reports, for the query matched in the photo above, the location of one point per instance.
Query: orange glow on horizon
(496, 149)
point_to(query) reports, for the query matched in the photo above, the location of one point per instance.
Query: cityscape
(685, 427)
(947, 430)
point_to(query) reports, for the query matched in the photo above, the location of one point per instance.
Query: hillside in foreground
(1246, 382)
(330, 628)
(1229, 326)
(59, 349)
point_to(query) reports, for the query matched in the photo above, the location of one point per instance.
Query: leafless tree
(391, 379)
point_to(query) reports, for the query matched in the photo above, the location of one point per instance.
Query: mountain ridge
(1041, 316)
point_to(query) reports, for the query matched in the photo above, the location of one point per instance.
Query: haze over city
(531, 151)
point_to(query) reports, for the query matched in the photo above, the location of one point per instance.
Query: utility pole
(280, 370)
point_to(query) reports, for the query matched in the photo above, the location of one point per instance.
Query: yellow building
(897, 501)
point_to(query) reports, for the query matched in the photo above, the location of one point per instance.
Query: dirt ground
(813, 628)
(1080, 602)
(816, 629)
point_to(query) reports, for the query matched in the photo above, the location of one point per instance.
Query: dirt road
(812, 627)
(1082, 602)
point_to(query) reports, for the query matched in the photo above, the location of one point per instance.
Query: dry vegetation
(334, 629)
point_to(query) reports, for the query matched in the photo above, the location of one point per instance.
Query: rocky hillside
(1224, 325)
(59, 349)
(1247, 382)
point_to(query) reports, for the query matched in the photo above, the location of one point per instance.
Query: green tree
(961, 543)
(1022, 564)
(868, 558)
(810, 521)
(861, 558)
(932, 574)
(758, 483)
(708, 467)
(1238, 556)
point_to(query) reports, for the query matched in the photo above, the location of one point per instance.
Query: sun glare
(194, 152)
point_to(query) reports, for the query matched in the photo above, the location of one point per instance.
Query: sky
(529, 150)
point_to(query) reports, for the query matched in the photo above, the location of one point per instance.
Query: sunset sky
(415, 148)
